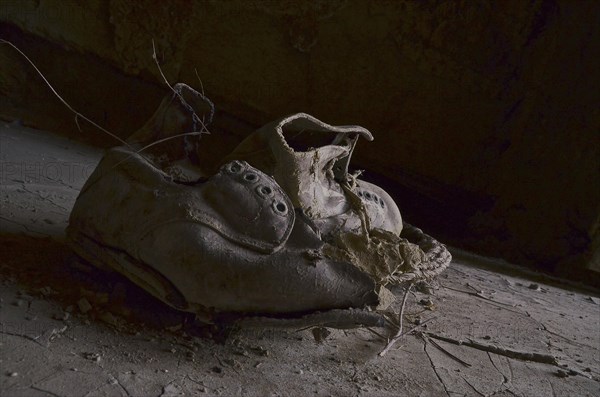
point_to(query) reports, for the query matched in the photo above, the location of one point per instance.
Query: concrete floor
(490, 331)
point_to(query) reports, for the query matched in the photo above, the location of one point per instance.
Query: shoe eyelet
(264, 191)
(250, 177)
(234, 167)
(280, 207)
(381, 203)
(368, 196)
(360, 193)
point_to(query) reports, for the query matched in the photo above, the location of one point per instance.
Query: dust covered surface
(69, 329)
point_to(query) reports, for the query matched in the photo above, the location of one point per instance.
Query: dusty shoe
(280, 231)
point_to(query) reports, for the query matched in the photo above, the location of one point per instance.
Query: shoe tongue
(311, 158)
(307, 158)
(303, 133)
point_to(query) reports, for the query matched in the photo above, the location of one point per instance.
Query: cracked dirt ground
(68, 329)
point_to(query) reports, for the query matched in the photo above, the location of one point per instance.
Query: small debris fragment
(561, 374)
(320, 334)
(64, 316)
(84, 305)
(232, 363)
(13, 374)
(377, 378)
(427, 303)
(172, 390)
(56, 332)
(48, 291)
(174, 328)
(242, 352)
(259, 350)
(534, 287)
(92, 356)
(595, 300)
(217, 370)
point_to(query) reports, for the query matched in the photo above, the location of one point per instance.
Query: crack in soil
(44, 391)
(473, 387)
(26, 337)
(434, 368)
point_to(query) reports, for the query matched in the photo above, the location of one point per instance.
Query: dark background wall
(486, 114)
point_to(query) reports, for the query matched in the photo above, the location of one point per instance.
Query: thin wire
(77, 114)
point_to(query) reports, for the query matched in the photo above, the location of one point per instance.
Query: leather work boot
(281, 232)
